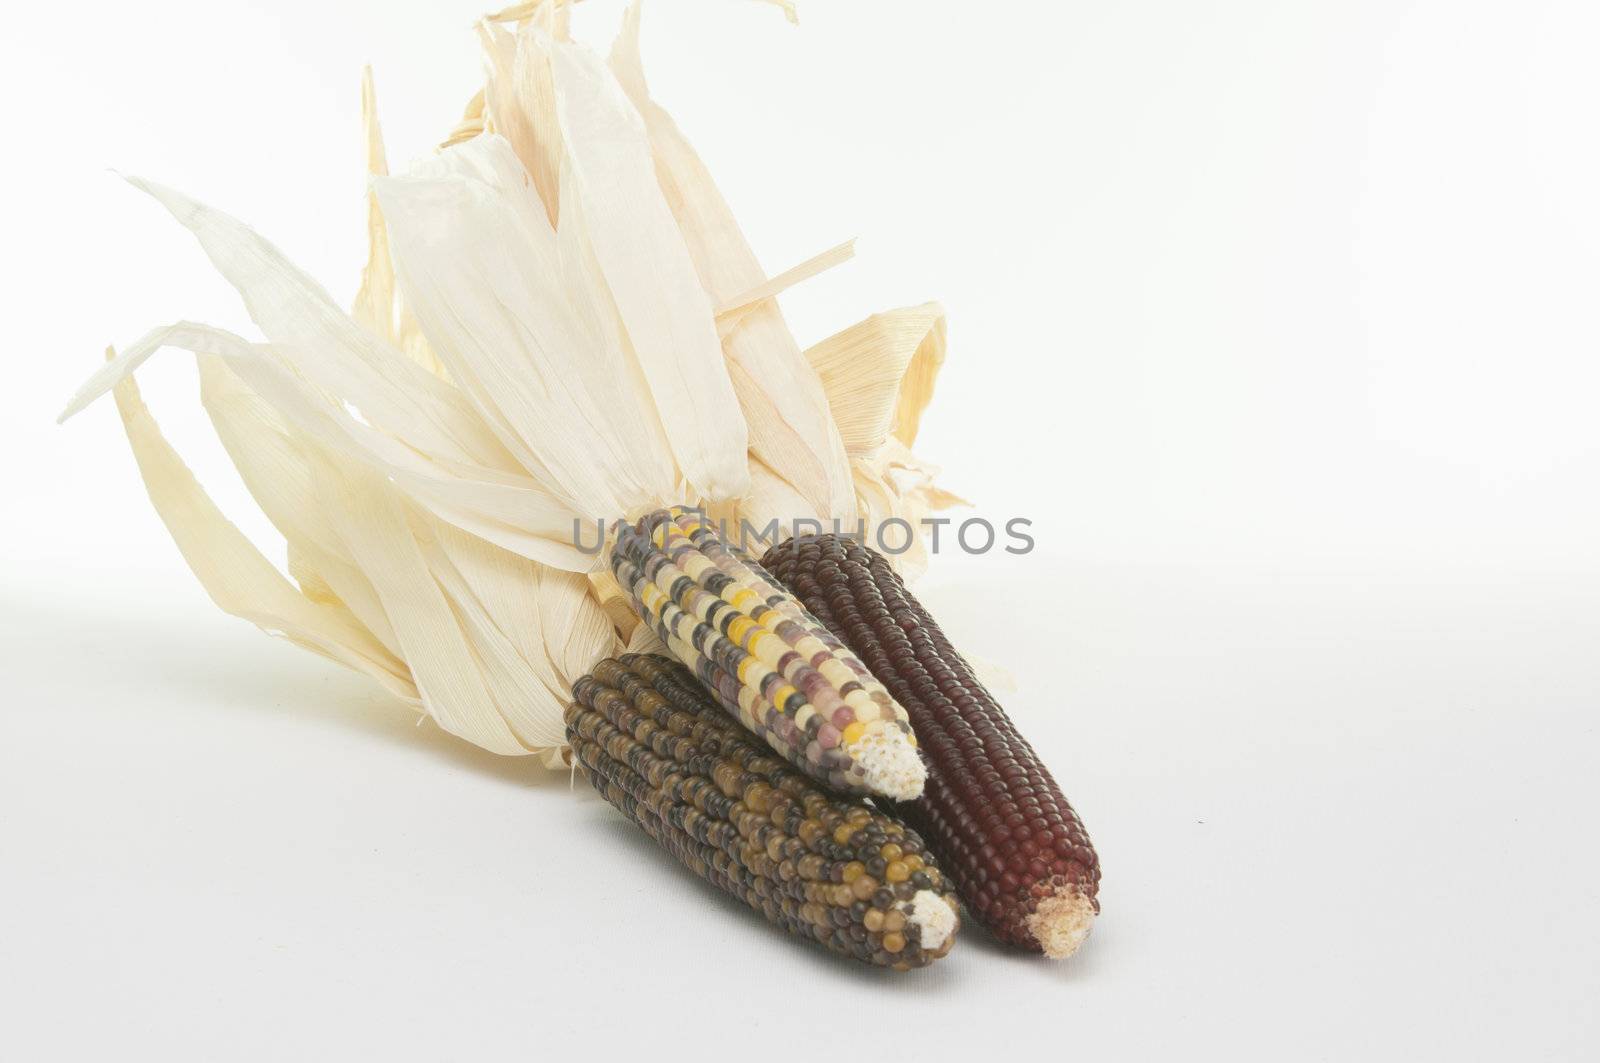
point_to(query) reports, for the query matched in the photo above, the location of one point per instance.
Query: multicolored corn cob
(991, 812)
(765, 658)
(825, 868)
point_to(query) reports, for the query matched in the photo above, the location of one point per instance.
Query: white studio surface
(1289, 304)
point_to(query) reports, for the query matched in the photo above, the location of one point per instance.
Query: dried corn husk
(560, 322)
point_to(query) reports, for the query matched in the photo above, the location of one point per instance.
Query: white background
(1277, 318)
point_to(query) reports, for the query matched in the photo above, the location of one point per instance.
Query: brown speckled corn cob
(765, 658)
(822, 867)
(990, 810)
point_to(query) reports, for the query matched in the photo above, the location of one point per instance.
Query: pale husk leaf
(273, 462)
(732, 311)
(233, 572)
(879, 373)
(521, 95)
(790, 427)
(894, 484)
(559, 321)
(666, 314)
(333, 352)
(769, 512)
(505, 508)
(378, 305)
(479, 262)
(376, 527)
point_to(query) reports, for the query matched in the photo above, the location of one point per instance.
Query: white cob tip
(1062, 922)
(933, 917)
(889, 763)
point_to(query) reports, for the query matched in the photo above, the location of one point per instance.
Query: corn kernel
(758, 650)
(655, 747)
(1030, 876)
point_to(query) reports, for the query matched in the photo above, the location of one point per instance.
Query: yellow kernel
(890, 851)
(894, 920)
(864, 887)
(852, 733)
(858, 816)
(842, 833)
(854, 870)
(897, 871)
(893, 942)
(913, 863)
(873, 920)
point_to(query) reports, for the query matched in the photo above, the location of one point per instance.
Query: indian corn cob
(767, 660)
(824, 867)
(991, 812)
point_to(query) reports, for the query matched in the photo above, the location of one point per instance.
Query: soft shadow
(939, 975)
(1078, 967)
(227, 663)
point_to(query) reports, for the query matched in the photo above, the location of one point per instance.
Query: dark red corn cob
(990, 811)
